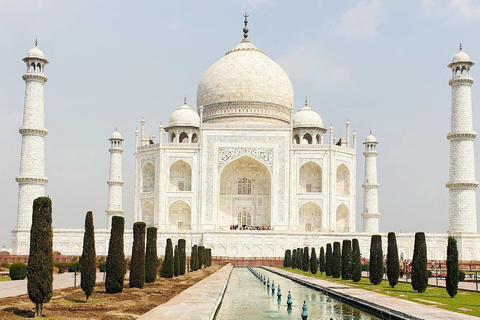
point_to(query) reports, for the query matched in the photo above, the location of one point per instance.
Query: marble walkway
(397, 308)
(199, 302)
(60, 281)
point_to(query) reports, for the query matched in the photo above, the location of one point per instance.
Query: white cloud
(361, 21)
(458, 9)
(308, 63)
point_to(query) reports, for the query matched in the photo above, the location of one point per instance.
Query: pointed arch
(343, 180)
(310, 178)
(307, 138)
(342, 218)
(310, 217)
(173, 137)
(148, 177)
(296, 139)
(180, 176)
(180, 216)
(183, 138)
(194, 138)
(147, 214)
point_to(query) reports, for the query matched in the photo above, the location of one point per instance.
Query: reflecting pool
(248, 298)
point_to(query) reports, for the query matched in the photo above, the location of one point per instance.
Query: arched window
(148, 177)
(310, 178)
(296, 139)
(244, 186)
(244, 218)
(180, 176)
(464, 71)
(147, 214)
(183, 138)
(180, 216)
(319, 139)
(194, 138)
(308, 138)
(39, 67)
(342, 218)
(343, 180)
(310, 217)
(32, 67)
(173, 138)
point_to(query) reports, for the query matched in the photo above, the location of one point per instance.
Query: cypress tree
(313, 262)
(306, 260)
(116, 266)
(346, 260)
(137, 262)
(208, 257)
(376, 260)
(40, 259)
(151, 258)
(176, 262)
(167, 264)
(336, 260)
(201, 256)
(182, 255)
(451, 279)
(419, 264)
(356, 261)
(88, 259)
(194, 259)
(300, 258)
(286, 262)
(393, 265)
(328, 260)
(322, 260)
(294, 259)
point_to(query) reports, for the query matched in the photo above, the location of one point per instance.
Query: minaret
(114, 206)
(461, 184)
(32, 180)
(370, 195)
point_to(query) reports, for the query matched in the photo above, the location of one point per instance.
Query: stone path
(199, 302)
(398, 308)
(60, 281)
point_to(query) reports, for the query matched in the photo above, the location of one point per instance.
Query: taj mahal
(246, 173)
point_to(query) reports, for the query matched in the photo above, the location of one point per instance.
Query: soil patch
(129, 304)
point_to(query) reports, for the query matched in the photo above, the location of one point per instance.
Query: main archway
(245, 194)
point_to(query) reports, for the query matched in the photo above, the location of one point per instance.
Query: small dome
(116, 135)
(461, 57)
(184, 117)
(370, 138)
(307, 118)
(35, 53)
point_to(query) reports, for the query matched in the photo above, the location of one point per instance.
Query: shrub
(5, 265)
(322, 260)
(137, 263)
(419, 263)
(356, 261)
(365, 266)
(300, 258)
(313, 262)
(18, 271)
(102, 266)
(209, 250)
(116, 265)
(194, 259)
(40, 259)
(429, 273)
(151, 258)
(73, 266)
(336, 260)
(328, 260)
(287, 260)
(461, 276)
(88, 259)
(176, 262)
(294, 259)
(201, 256)
(306, 260)
(182, 255)
(393, 265)
(376, 260)
(167, 264)
(346, 260)
(453, 276)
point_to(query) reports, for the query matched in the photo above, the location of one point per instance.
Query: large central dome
(245, 83)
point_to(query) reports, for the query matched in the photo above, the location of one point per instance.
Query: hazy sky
(382, 64)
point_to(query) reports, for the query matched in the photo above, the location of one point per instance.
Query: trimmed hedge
(305, 260)
(287, 260)
(201, 256)
(151, 257)
(393, 265)
(137, 262)
(419, 263)
(346, 260)
(88, 258)
(116, 265)
(176, 262)
(328, 260)
(313, 262)
(294, 259)
(452, 277)
(336, 260)
(18, 271)
(167, 264)
(322, 260)
(194, 258)
(356, 261)
(182, 255)
(376, 260)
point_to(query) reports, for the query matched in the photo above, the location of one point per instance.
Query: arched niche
(148, 177)
(183, 138)
(310, 217)
(180, 176)
(342, 218)
(343, 180)
(310, 178)
(147, 214)
(180, 216)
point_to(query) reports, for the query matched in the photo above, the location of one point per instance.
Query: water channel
(247, 298)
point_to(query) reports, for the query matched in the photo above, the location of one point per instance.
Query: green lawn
(464, 302)
(5, 279)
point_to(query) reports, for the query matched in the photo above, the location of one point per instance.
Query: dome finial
(35, 42)
(460, 46)
(370, 131)
(116, 128)
(306, 101)
(245, 29)
(185, 99)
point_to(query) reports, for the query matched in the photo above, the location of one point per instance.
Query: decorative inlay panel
(226, 154)
(184, 199)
